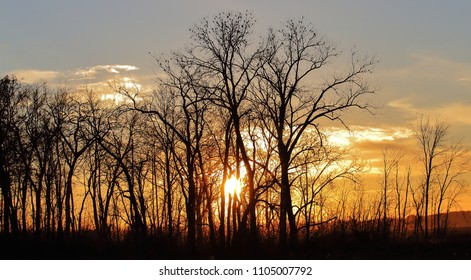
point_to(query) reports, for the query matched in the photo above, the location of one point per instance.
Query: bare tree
(104, 171)
(292, 56)
(120, 144)
(40, 134)
(449, 180)
(390, 164)
(9, 98)
(187, 122)
(431, 136)
(402, 190)
(315, 168)
(223, 52)
(166, 144)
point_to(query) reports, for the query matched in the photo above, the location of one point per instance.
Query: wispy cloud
(429, 84)
(90, 72)
(430, 77)
(358, 134)
(454, 112)
(33, 76)
(368, 142)
(100, 77)
(97, 78)
(403, 104)
(430, 65)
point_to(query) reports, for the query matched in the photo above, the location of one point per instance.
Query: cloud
(33, 76)
(430, 65)
(91, 72)
(98, 78)
(109, 86)
(358, 134)
(430, 85)
(369, 142)
(455, 112)
(403, 103)
(104, 78)
(428, 79)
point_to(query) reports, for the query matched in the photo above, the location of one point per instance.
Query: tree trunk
(9, 216)
(286, 209)
(191, 213)
(168, 183)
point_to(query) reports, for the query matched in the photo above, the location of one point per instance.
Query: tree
(71, 121)
(187, 122)
(291, 58)
(431, 137)
(166, 144)
(9, 98)
(120, 144)
(104, 170)
(390, 164)
(316, 168)
(223, 52)
(40, 135)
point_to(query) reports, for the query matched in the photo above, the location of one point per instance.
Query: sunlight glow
(91, 72)
(343, 137)
(233, 186)
(340, 139)
(130, 83)
(115, 97)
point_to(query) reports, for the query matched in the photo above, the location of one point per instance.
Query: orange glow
(232, 186)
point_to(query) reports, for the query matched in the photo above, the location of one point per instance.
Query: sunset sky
(423, 48)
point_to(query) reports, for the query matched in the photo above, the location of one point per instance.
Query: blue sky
(423, 46)
(54, 34)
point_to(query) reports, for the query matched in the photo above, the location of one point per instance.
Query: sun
(232, 186)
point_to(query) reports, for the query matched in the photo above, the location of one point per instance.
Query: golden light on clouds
(343, 137)
(115, 97)
(101, 79)
(366, 143)
(455, 112)
(130, 83)
(33, 76)
(98, 76)
(114, 69)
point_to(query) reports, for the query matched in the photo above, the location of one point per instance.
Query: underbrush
(332, 246)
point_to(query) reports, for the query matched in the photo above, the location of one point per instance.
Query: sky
(423, 48)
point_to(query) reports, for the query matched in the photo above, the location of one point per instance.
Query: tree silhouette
(224, 55)
(292, 57)
(10, 98)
